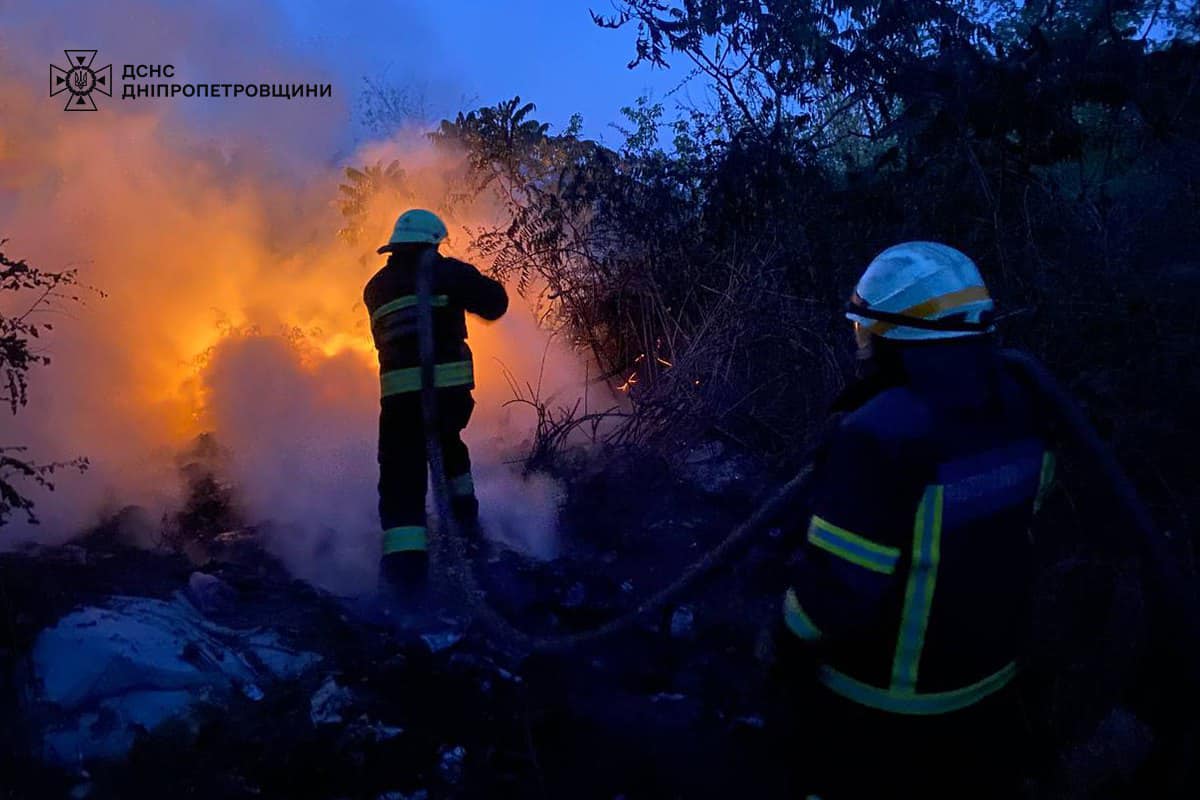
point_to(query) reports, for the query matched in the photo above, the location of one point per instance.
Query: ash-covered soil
(345, 700)
(136, 673)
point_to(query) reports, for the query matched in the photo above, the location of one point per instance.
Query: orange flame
(197, 247)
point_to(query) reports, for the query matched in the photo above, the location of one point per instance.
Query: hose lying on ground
(511, 637)
(1177, 601)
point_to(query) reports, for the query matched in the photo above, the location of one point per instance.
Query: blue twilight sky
(460, 53)
(455, 54)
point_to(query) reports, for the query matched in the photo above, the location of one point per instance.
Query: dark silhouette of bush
(1056, 144)
(32, 290)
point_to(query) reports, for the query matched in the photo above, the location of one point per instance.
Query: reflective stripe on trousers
(405, 539)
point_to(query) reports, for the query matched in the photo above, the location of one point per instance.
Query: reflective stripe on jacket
(916, 562)
(391, 301)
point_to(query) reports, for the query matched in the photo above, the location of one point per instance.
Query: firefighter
(390, 298)
(910, 591)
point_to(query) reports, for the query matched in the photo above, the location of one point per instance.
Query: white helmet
(416, 226)
(921, 290)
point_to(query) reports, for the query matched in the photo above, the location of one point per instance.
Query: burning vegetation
(207, 415)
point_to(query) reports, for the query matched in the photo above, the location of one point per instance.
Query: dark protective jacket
(391, 300)
(916, 565)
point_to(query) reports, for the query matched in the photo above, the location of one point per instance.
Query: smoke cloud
(231, 306)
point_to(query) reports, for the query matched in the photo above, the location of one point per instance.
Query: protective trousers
(403, 478)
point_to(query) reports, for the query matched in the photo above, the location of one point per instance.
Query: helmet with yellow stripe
(919, 291)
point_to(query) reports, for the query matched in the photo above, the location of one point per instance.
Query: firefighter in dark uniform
(911, 587)
(391, 301)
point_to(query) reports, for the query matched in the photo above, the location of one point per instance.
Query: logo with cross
(80, 80)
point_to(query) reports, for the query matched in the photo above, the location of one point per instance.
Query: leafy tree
(33, 290)
(621, 247)
(775, 65)
(798, 68)
(705, 278)
(360, 189)
(1031, 135)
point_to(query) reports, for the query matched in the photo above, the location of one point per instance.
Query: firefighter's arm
(472, 290)
(851, 543)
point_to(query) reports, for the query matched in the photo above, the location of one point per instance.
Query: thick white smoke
(231, 307)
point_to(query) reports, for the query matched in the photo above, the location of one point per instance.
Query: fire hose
(455, 543)
(1174, 601)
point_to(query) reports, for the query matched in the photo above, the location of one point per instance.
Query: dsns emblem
(80, 80)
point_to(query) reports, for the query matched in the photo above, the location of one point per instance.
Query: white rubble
(211, 595)
(328, 703)
(683, 623)
(103, 671)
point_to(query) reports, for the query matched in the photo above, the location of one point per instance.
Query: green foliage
(361, 188)
(33, 290)
(624, 252)
(1052, 142)
(535, 176)
(792, 68)
(16, 332)
(641, 140)
(702, 262)
(774, 64)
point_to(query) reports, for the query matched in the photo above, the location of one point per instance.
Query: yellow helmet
(921, 290)
(416, 226)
